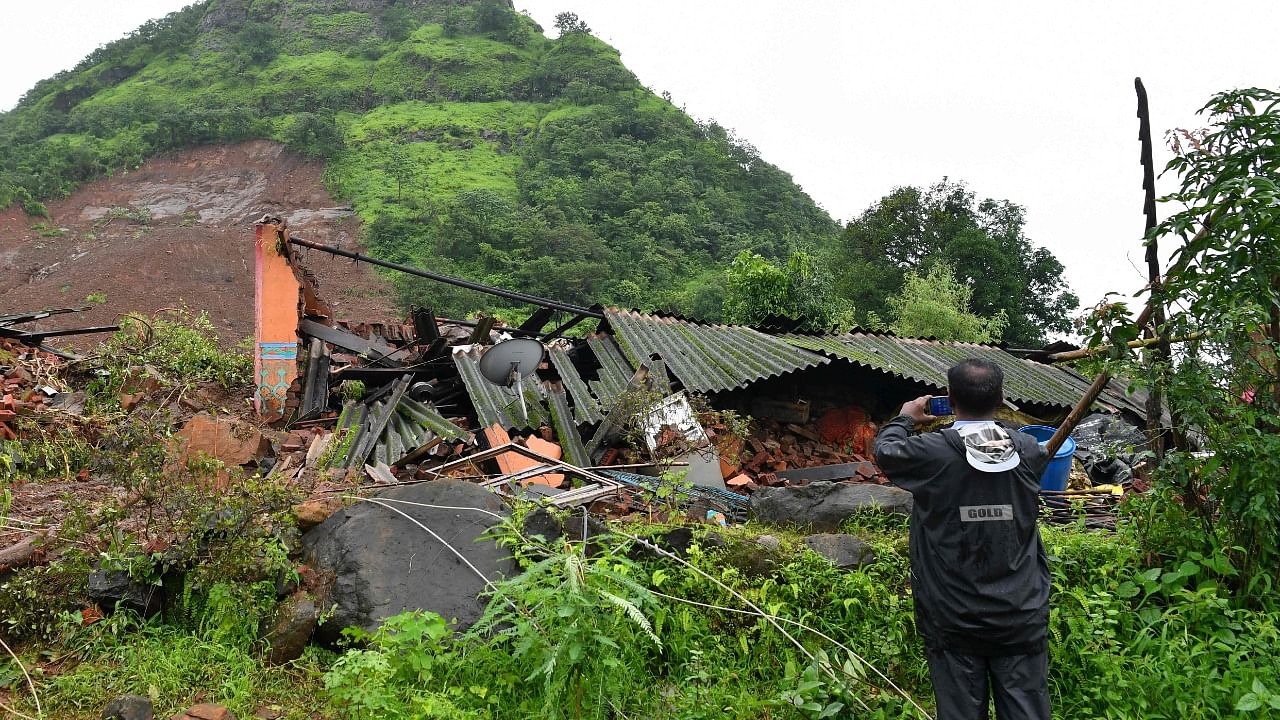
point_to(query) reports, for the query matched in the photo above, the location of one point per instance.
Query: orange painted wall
(275, 322)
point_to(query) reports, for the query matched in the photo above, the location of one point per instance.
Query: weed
(178, 343)
(45, 230)
(98, 298)
(174, 667)
(351, 390)
(33, 600)
(139, 216)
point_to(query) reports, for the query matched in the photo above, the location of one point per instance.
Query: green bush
(182, 346)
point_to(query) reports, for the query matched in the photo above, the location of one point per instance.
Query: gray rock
(128, 707)
(760, 556)
(375, 563)
(114, 588)
(844, 551)
(542, 522)
(769, 542)
(823, 506)
(291, 628)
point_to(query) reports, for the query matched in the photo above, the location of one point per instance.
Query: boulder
(291, 628)
(110, 589)
(824, 506)
(128, 707)
(844, 551)
(678, 541)
(375, 562)
(768, 542)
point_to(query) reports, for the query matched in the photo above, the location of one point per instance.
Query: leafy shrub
(396, 675)
(34, 600)
(182, 345)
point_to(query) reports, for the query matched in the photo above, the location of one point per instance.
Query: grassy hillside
(468, 142)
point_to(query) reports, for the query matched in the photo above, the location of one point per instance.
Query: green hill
(468, 142)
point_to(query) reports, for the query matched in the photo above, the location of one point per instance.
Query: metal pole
(459, 282)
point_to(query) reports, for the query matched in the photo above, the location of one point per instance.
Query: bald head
(976, 386)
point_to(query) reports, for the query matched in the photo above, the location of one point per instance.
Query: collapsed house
(588, 419)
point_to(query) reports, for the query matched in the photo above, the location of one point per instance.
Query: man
(979, 574)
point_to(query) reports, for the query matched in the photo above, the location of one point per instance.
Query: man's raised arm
(898, 454)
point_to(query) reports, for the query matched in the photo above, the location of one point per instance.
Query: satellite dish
(508, 362)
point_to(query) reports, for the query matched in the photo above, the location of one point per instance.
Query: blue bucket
(1059, 468)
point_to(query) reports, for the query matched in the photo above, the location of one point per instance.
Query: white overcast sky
(1029, 101)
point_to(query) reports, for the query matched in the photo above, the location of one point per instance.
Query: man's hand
(918, 409)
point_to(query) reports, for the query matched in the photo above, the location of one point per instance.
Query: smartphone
(939, 405)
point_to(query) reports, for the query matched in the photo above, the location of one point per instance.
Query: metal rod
(41, 335)
(459, 282)
(561, 330)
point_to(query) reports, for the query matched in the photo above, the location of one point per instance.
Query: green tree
(569, 22)
(1223, 386)
(314, 134)
(400, 167)
(257, 43)
(757, 290)
(937, 305)
(912, 228)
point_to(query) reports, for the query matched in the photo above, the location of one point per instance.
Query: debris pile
(24, 383)
(835, 447)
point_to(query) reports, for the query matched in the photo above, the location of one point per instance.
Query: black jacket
(979, 574)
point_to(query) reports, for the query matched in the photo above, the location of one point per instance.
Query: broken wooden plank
(420, 454)
(612, 424)
(484, 326)
(315, 396)
(425, 326)
(538, 320)
(804, 432)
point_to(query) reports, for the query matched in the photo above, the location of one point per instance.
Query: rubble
(428, 411)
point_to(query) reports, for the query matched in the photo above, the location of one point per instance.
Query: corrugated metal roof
(566, 428)
(927, 361)
(707, 358)
(614, 372)
(585, 407)
(497, 404)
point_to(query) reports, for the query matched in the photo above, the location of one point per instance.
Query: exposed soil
(196, 248)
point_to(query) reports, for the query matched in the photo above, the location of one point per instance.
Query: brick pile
(19, 391)
(840, 436)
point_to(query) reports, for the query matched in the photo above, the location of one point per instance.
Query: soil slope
(179, 231)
